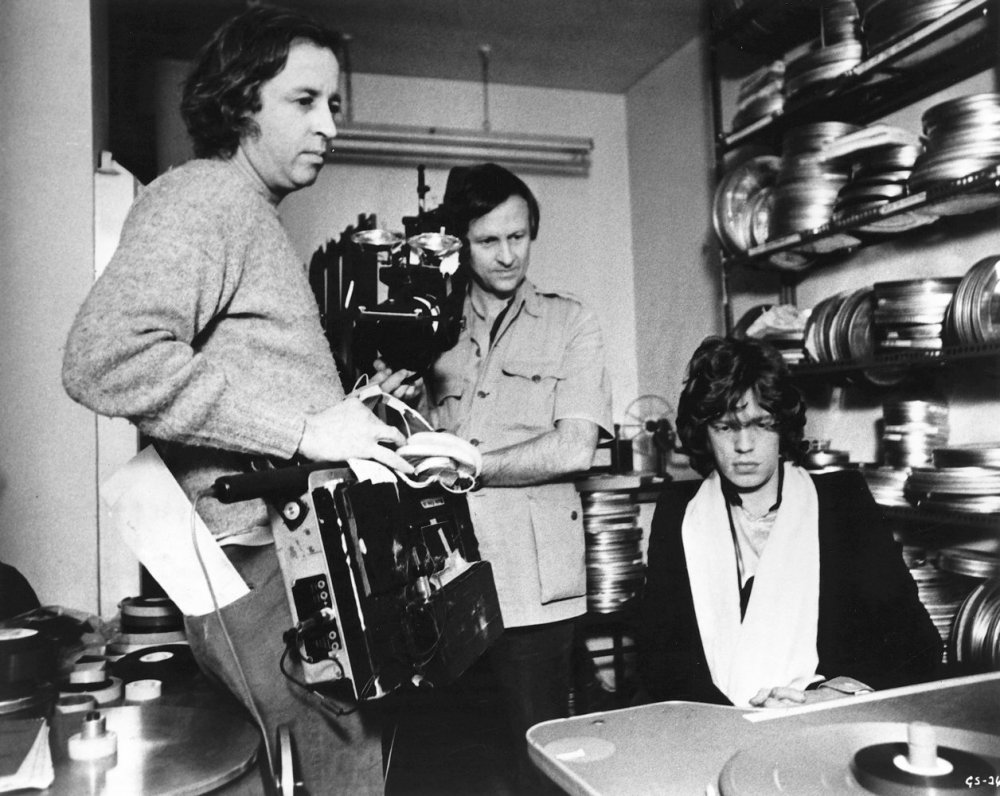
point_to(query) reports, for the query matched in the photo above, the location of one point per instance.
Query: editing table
(689, 748)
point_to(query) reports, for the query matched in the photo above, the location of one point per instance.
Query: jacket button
(536, 378)
(482, 394)
(474, 442)
(573, 516)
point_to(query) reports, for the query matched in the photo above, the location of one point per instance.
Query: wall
(47, 443)
(585, 240)
(670, 171)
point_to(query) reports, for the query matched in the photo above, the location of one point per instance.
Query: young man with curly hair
(768, 585)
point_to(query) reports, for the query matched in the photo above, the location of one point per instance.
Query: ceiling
(589, 45)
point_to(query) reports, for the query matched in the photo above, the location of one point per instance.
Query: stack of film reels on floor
(148, 654)
(615, 570)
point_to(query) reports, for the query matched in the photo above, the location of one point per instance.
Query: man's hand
(350, 430)
(401, 384)
(787, 697)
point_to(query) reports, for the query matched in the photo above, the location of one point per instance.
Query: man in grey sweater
(204, 332)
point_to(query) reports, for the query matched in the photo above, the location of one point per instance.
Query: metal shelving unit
(981, 189)
(934, 358)
(911, 514)
(957, 45)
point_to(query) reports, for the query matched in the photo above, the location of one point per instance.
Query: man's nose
(325, 124)
(744, 439)
(505, 254)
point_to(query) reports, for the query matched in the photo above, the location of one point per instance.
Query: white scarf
(775, 645)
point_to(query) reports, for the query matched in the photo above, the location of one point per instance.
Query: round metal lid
(968, 562)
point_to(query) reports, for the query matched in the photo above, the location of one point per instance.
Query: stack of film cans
(147, 622)
(968, 569)
(940, 588)
(839, 50)
(912, 430)
(886, 21)
(964, 479)
(887, 484)
(963, 137)
(615, 571)
(28, 667)
(806, 190)
(910, 314)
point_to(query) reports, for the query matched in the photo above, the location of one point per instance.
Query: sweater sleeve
(133, 348)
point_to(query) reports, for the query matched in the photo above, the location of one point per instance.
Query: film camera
(416, 314)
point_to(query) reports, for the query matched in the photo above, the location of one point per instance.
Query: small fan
(647, 424)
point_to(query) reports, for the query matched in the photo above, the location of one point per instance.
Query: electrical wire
(322, 700)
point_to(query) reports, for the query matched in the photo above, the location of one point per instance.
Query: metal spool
(615, 569)
(974, 642)
(975, 309)
(970, 563)
(983, 454)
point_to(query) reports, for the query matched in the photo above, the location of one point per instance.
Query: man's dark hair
(223, 88)
(722, 371)
(474, 191)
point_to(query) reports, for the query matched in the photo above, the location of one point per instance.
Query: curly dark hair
(223, 89)
(722, 370)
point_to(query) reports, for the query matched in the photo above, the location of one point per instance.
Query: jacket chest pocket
(445, 392)
(527, 391)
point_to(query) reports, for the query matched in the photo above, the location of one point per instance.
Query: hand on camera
(349, 430)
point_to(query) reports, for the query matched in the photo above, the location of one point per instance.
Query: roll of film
(139, 692)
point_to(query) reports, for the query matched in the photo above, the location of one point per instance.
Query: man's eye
(334, 108)
(305, 102)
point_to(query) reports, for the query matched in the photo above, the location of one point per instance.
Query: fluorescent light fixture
(399, 145)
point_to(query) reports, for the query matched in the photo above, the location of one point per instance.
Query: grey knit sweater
(204, 332)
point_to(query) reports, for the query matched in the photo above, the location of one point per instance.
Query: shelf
(902, 359)
(957, 45)
(912, 514)
(973, 193)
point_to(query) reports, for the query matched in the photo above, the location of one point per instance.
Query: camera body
(414, 324)
(418, 315)
(384, 582)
